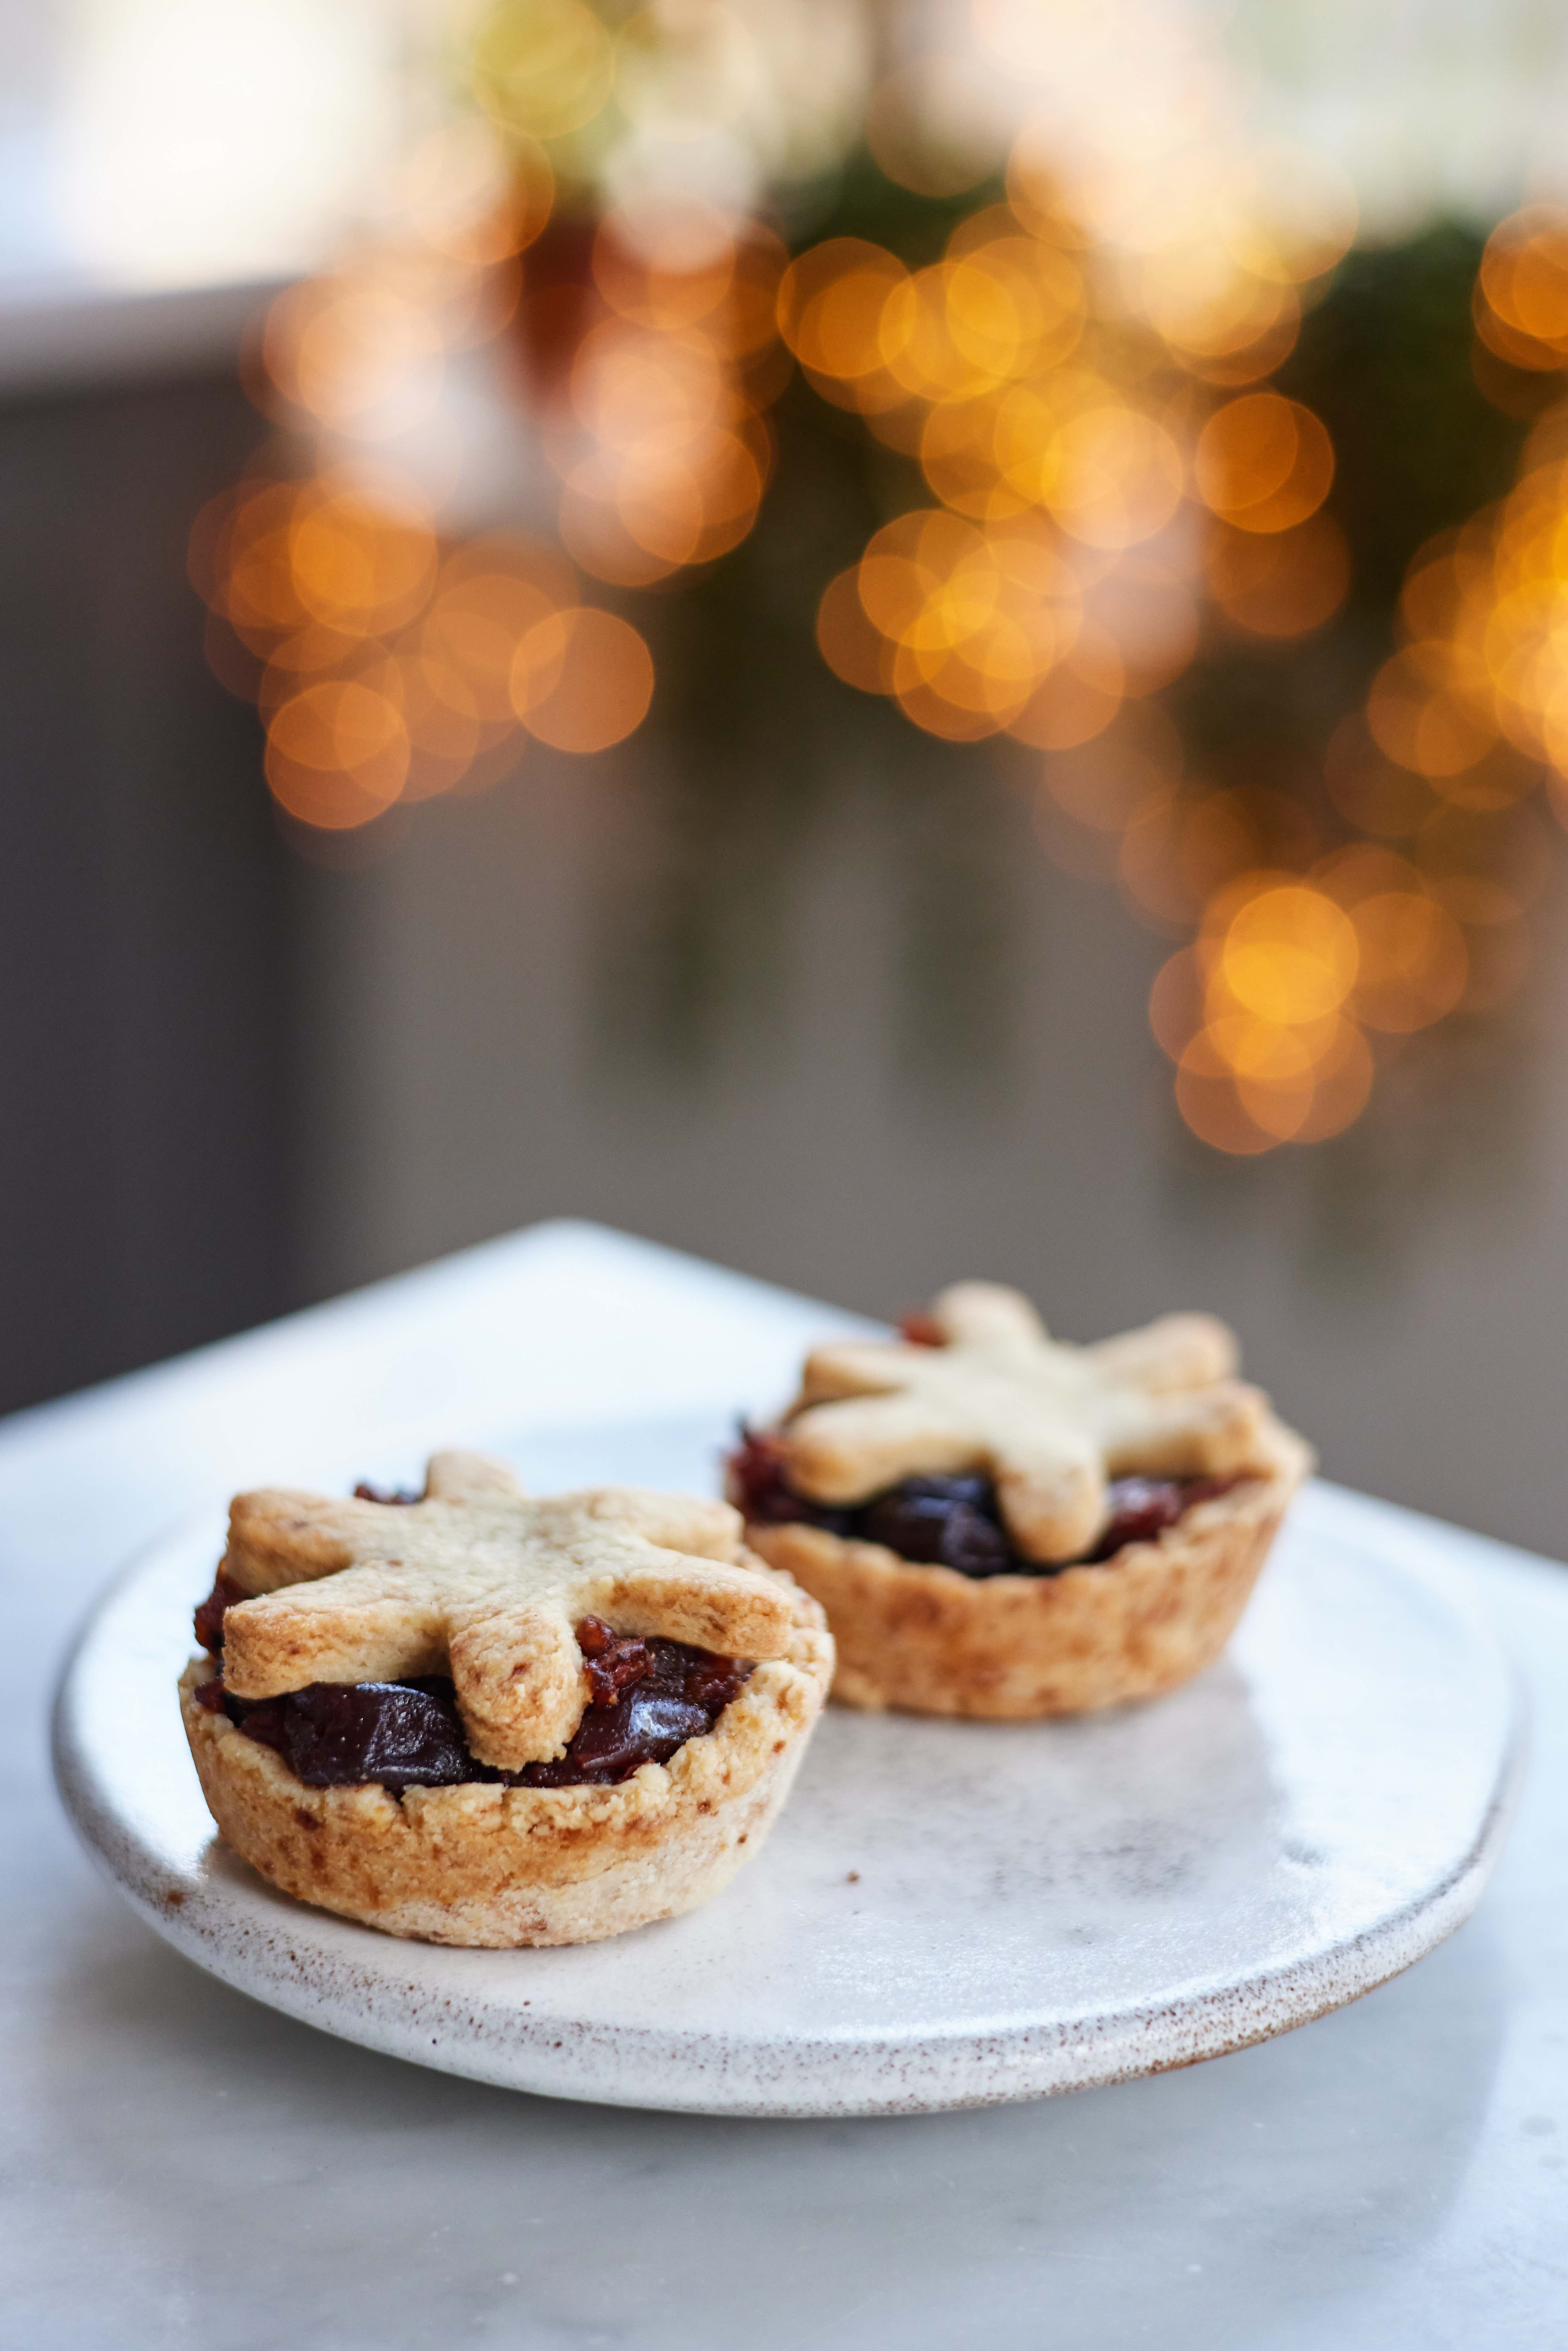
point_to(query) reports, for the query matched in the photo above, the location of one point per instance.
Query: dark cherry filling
(940, 1522)
(921, 1331)
(341, 1734)
(209, 1617)
(646, 1698)
(649, 1697)
(954, 1521)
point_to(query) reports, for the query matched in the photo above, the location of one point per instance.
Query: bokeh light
(1267, 1015)
(1040, 419)
(1278, 584)
(389, 662)
(931, 124)
(543, 67)
(1263, 463)
(582, 679)
(337, 754)
(833, 307)
(663, 448)
(384, 670)
(1522, 292)
(1094, 483)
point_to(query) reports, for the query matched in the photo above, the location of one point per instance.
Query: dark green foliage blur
(1385, 359)
(767, 734)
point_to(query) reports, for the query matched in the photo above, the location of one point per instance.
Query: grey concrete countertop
(184, 2165)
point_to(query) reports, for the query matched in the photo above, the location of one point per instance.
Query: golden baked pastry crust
(1048, 1423)
(931, 1641)
(494, 1866)
(481, 1582)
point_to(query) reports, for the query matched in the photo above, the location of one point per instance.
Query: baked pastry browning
(1048, 1423)
(354, 1604)
(1001, 1526)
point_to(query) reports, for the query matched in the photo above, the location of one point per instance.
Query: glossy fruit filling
(953, 1522)
(646, 1698)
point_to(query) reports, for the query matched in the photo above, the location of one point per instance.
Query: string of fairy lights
(1083, 378)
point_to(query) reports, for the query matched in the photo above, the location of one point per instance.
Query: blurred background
(878, 640)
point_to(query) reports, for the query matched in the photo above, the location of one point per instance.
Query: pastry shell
(494, 1866)
(930, 1641)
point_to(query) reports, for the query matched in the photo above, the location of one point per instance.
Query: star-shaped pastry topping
(478, 1582)
(1049, 1423)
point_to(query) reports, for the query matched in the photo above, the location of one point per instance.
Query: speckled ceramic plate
(948, 1914)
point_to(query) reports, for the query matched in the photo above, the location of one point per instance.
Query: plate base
(948, 1914)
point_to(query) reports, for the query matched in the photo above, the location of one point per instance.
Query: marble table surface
(184, 2165)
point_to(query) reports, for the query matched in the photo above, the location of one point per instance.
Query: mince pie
(1000, 1525)
(474, 1718)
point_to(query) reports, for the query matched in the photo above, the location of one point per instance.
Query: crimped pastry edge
(927, 1640)
(497, 1868)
